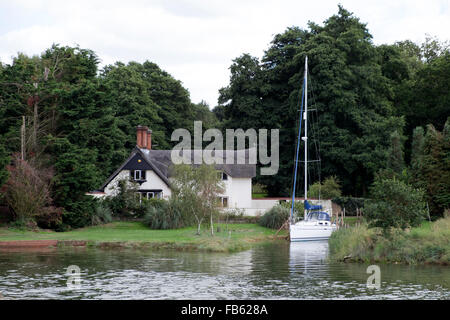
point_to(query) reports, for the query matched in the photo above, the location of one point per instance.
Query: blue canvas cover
(309, 206)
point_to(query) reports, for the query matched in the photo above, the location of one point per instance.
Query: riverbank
(427, 244)
(233, 238)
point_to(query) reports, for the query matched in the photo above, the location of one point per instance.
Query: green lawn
(238, 236)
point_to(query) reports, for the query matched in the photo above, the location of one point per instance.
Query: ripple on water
(278, 271)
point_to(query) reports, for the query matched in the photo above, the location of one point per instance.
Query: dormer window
(137, 175)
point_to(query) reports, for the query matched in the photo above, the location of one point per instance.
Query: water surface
(275, 271)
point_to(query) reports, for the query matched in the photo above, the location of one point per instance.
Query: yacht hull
(305, 232)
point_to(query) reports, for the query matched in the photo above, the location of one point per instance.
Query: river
(279, 270)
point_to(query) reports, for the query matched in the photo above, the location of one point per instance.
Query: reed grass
(426, 244)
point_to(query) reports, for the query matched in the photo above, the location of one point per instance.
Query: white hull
(311, 231)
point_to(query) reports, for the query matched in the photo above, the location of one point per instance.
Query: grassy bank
(135, 234)
(427, 244)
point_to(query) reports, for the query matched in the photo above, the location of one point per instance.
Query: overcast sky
(195, 40)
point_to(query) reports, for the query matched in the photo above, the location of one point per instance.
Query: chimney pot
(149, 139)
(139, 136)
(143, 137)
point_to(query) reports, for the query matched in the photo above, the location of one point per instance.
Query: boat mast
(305, 138)
(298, 148)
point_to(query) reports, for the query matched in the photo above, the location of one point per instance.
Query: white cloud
(195, 41)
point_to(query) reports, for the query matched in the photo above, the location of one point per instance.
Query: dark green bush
(275, 217)
(125, 204)
(330, 188)
(78, 214)
(102, 215)
(394, 204)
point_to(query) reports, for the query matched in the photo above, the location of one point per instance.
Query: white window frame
(140, 174)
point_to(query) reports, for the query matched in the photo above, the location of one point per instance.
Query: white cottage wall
(155, 182)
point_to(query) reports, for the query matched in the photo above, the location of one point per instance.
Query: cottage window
(223, 202)
(138, 175)
(150, 195)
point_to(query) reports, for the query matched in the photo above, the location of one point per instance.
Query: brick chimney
(149, 139)
(141, 137)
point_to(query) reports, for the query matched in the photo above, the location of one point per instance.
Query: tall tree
(350, 93)
(417, 154)
(435, 169)
(4, 160)
(396, 161)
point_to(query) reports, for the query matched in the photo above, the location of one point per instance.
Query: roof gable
(136, 161)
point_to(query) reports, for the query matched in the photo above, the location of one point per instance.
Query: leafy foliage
(83, 122)
(299, 208)
(102, 214)
(28, 193)
(125, 203)
(275, 217)
(372, 104)
(166, 215)
(352, 96)
(350, 204)
(197, 189)
(4, 160)
(329, 189)
(394, 204)
(434, 169)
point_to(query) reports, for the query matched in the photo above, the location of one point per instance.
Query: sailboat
(316, 224)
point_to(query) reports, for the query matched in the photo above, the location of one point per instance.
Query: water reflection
(280, 270)
(307, 255)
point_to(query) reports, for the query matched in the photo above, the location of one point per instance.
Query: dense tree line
(80, 122)
(367, 98)
(381, 111)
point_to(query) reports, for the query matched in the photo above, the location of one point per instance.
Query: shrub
(28, 194)
(165, 215)
(49, 217)
(27, 190)
(356, 241)
(299, 208)
(102, 215)
(275, 217)
(329, 189)
(394, 205)
(78, 214)
(125, 203)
